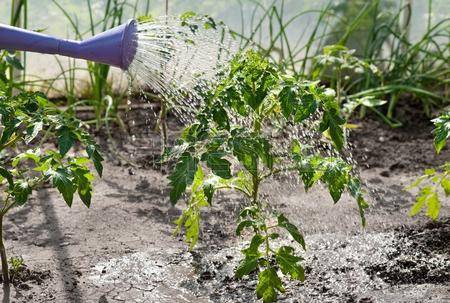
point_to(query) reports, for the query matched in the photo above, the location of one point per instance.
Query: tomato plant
(29, 120)
(433, 179)
(230, 146)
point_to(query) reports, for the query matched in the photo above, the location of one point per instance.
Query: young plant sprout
(434, 179)
(230, 147)
(28, 121)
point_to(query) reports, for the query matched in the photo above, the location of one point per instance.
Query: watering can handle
(115, 47)
(19, 39)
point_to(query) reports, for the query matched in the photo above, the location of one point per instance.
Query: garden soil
(123, 249)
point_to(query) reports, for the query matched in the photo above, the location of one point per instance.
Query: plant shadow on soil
(131, 254)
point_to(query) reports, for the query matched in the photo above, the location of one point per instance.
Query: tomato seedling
(433, 179)
(231, 146)
(28, 121)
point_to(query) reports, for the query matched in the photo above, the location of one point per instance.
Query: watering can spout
(115, 47)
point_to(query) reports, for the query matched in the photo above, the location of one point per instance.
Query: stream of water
(180, 59)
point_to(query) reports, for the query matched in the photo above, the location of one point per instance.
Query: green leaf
(191, 221)
(32, 131)
(62, 181)
(66, 139)
(307, 107)
(310, 170)
(33, 155)
(441, 131)
(208, 190)
(14, 62)
(354, 187)
(252, 254)
(263, 149)
(336, 176)
(253, 249)
(182, 176)
(246, 266)
(291, 229)
(427, 197)
(244, 224)
(96, 157)
(8, 176)
(268, 285)
(191, 216)
(288, 263)
(288, 100)
(220, 116)
(333, 122)
(244, 150)
(21, 192)
(434, 206)
(219, 166)
(445, 183)
(83, 180)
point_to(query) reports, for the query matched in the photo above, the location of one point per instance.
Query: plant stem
(5, 270)
(338, 85)
(392, 105)
(255, 180)
(163, 126)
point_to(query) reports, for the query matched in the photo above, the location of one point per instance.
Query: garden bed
(122, 249)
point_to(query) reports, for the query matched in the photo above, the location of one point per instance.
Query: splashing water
(179, 59)
(182, 59)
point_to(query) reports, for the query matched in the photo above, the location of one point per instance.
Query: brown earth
(123, 250)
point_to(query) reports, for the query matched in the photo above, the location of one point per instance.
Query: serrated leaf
(288, 263)
(33, 155)
(14, 62)
(445, 184)
(336, 176)
(434, 206)
(429, 198)
(96, 157)
(416, 182)
(182, 176)
(306, 108)
(441, 131)
(219, 166)
(209, 190)
(8, 176)
(268, 285)
(66, 139)
(242, 225)
(21, 192)
(288, 100)
(220, 116)
(253, 249)
(246, 266)
(83, 180)
(333, 122)
(62, 181)
(246, 154)
(190, 219)
(32, 131)
(291, 229)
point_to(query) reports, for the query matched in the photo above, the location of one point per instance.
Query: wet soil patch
(421, 255)
(339, 268)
